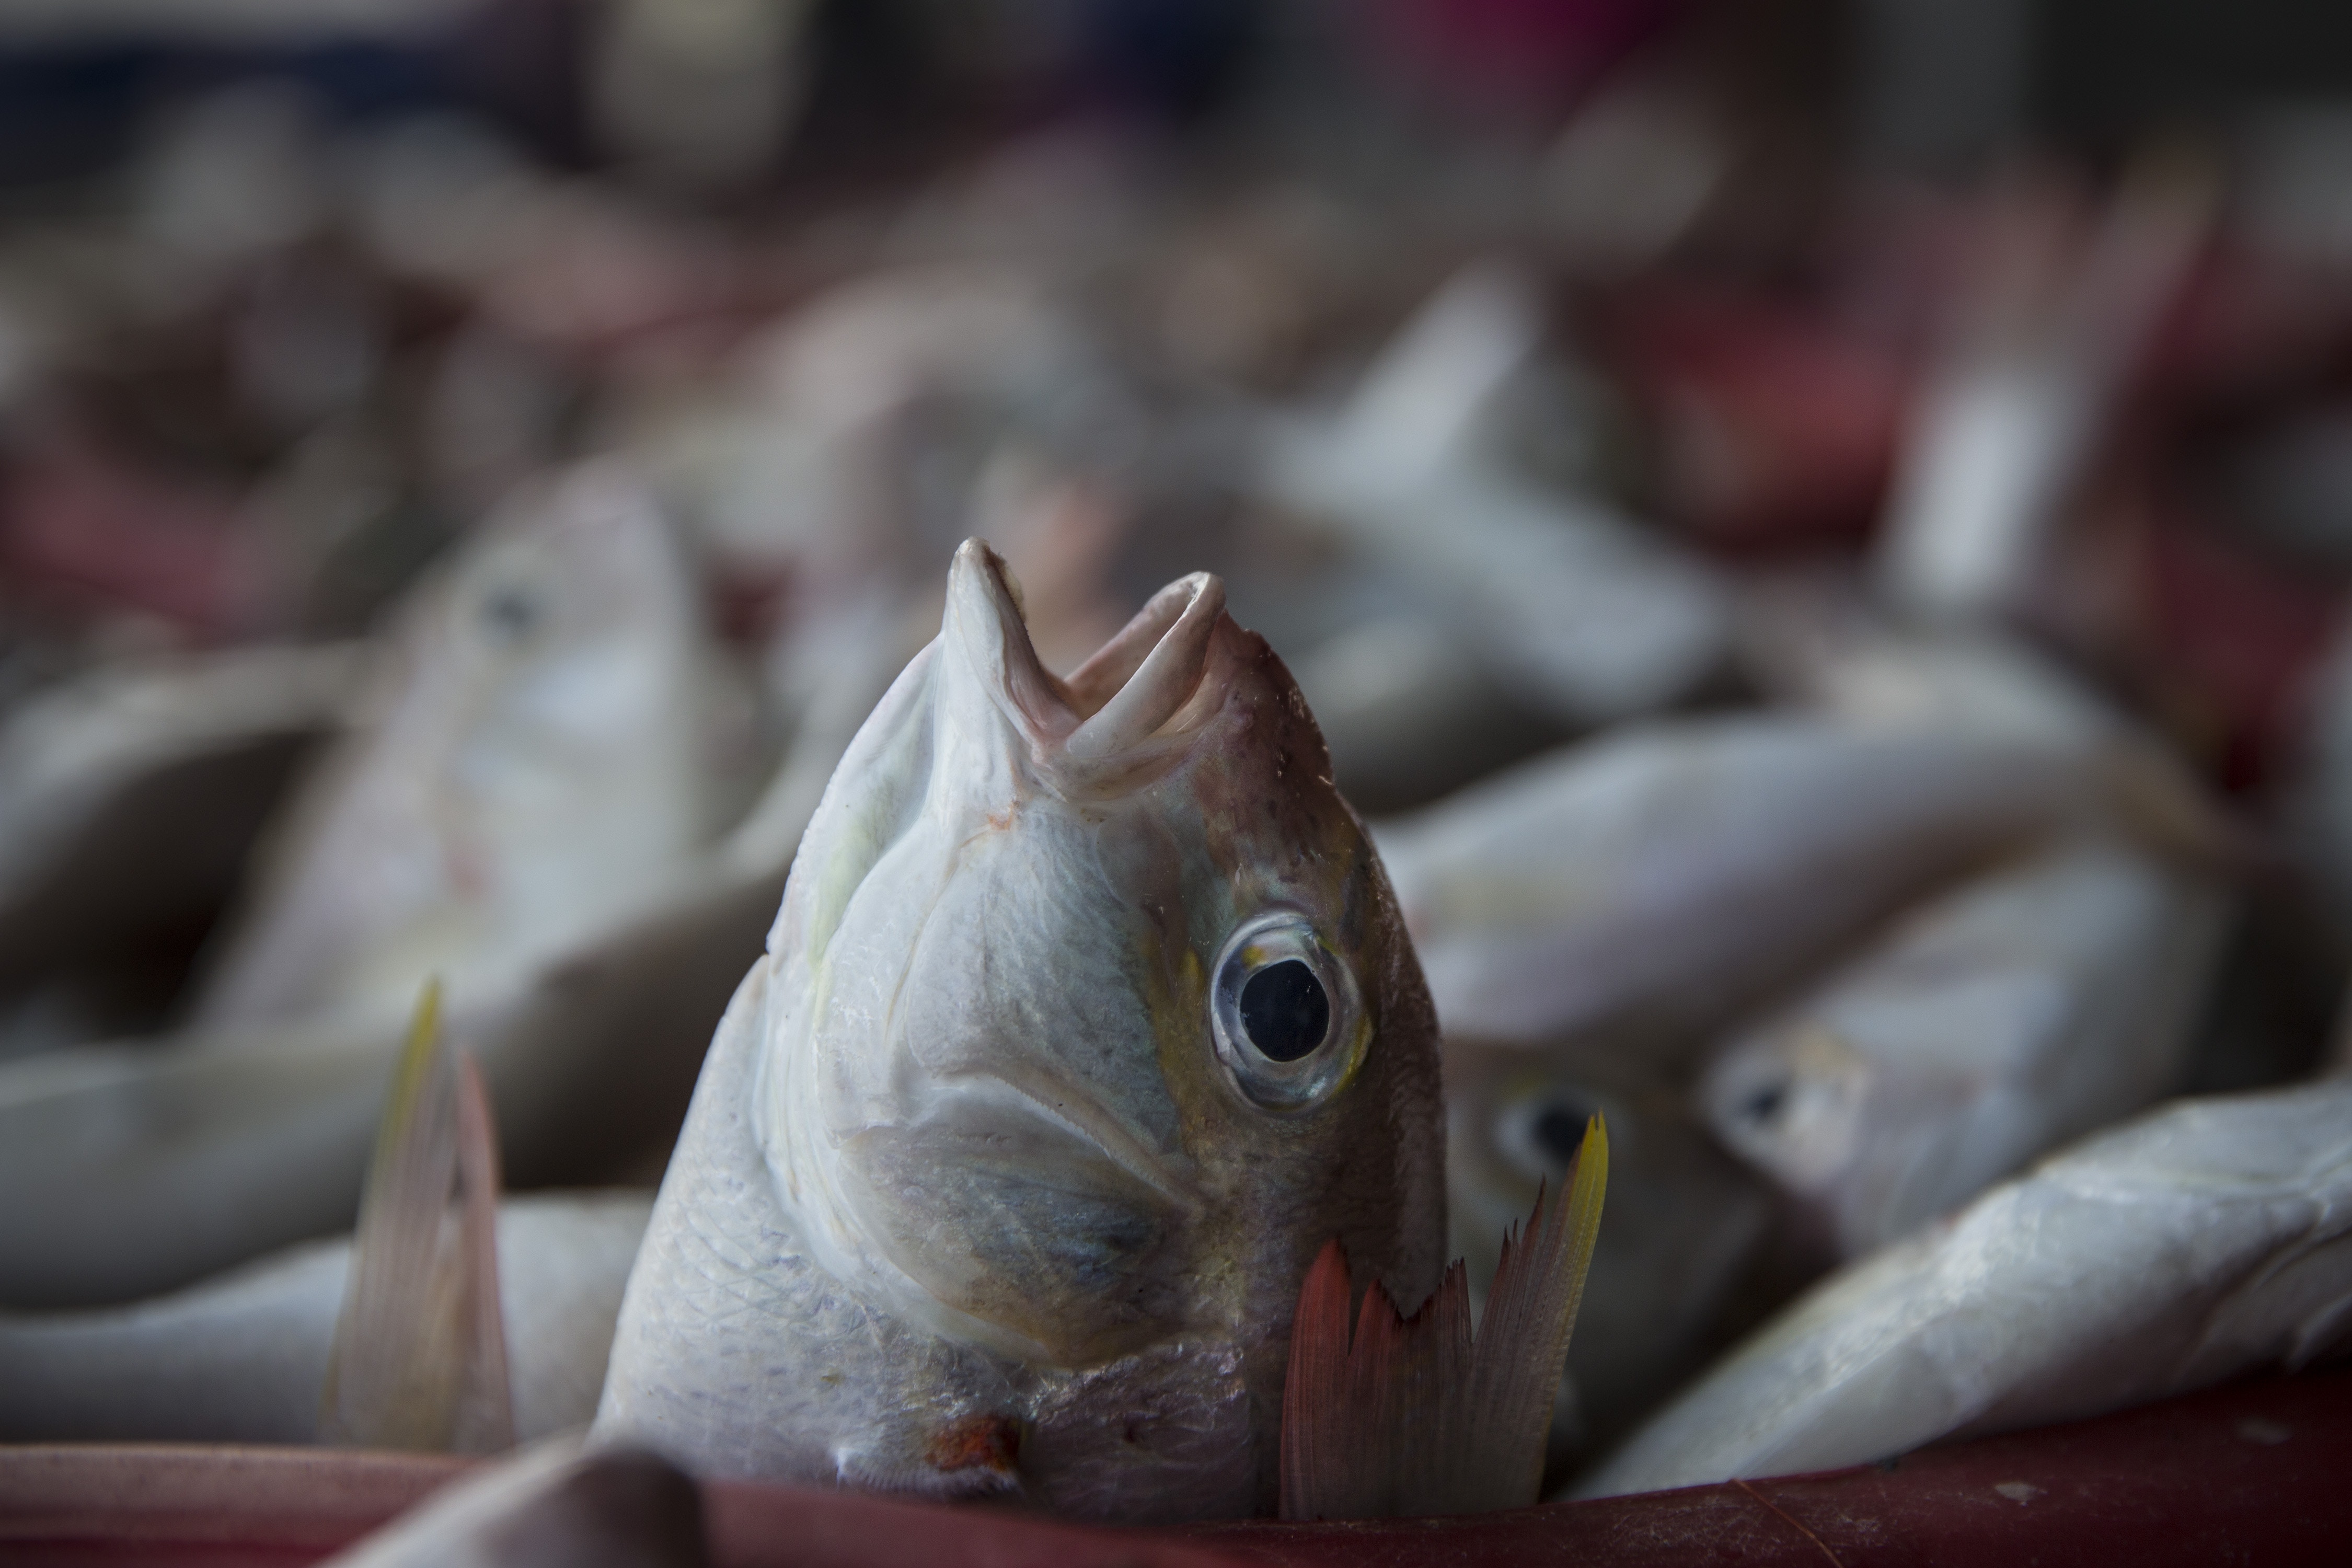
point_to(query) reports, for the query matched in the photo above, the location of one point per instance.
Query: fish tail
(420, 1353)
(1418, 1416)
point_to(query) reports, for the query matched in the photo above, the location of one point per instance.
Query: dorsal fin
(1417, 1415)
(420, 1352)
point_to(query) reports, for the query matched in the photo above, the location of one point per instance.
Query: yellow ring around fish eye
(1284, 1014)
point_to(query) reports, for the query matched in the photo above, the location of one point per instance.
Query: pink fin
(1417, 1416)
(485, 1417)
(420, 1353)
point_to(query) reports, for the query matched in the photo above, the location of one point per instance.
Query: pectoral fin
(420, 1353)
(1416, 1415)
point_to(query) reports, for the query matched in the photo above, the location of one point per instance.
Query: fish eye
(510, 612)
(1543, 1134)
(1283, 1013)
(1764, 1103)
(1558, 1129)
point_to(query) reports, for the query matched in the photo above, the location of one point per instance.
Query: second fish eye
(1283, 1013)
(1764, 1103)
(1540, 1133)
(510, 611)
(1558, 1129)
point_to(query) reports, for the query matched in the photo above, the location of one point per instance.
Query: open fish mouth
(1150, 683)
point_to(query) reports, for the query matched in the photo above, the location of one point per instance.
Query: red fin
(1416, 1416)
(1314, 1394)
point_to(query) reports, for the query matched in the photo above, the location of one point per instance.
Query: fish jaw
(980, 1104)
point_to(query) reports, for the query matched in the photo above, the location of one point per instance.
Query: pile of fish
(965, 1019)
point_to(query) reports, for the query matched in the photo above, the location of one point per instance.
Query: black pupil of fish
(1560, 1131)
(510, 611)
(1285, 1011)
(1763, 1104)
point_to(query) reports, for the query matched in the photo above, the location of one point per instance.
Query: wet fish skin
(2003, 1018)
(242, 1359)
(966, 1201)
(2208, 1240)
(538, 767)
(1651, 886)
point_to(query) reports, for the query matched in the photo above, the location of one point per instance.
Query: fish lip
(1147, 678)
(984, 623)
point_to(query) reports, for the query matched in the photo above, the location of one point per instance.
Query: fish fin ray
(419, 1354)
(1420, 1414)
(485, 1416)
(1316, 1395)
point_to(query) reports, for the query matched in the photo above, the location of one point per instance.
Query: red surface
(1777, 427)
(2235, 636)
(2258, 1473)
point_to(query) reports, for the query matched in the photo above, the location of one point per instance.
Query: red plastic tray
(2257, 1473)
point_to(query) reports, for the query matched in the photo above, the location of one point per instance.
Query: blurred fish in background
(1817, 533)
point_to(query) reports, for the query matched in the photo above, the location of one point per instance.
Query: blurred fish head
(1689, 1245)
(1514, 1121)
(576, 608)
(1100, 1019)
(546, 749)
(564, 666)
(1790, 1100)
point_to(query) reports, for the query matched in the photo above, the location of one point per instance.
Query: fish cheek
(1027, 1229)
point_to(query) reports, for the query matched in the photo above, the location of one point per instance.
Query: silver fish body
(2206, 1240)
(1998, 1020)
(987, 1185)
(1652, 885)
(242, 1359)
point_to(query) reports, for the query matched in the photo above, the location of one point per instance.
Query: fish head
(536, 761)
(1098, 1017)
(1514, 1122)
(574, 606)
(1790, 1099)
(562, 687)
